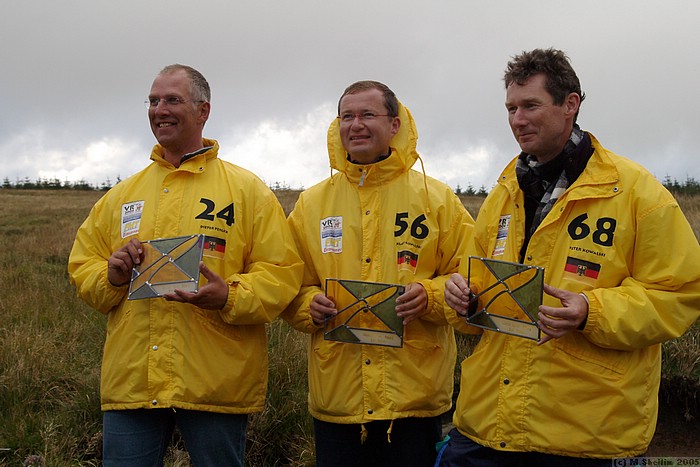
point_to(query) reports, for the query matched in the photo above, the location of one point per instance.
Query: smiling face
(365, 140)
(178, 128)
(540, 127)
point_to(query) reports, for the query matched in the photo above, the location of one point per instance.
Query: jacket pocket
(591, 358)
(119, 317)
(326, 352)
(211, 321)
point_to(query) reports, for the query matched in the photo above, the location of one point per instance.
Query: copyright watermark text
(657, 461)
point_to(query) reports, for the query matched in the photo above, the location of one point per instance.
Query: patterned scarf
(545, 183)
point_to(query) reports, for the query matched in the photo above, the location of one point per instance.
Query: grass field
(51, 346)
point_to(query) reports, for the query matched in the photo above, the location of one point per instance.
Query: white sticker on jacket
(131, 218)
(503, 226)
(332, 234)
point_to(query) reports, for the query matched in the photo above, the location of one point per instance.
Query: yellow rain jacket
(162, 354)
(618, 236)
(386, 213)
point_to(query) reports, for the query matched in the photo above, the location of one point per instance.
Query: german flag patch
(585, 271)
(407, 260)
(214, 247)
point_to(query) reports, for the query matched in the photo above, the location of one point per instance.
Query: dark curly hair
(561, 79)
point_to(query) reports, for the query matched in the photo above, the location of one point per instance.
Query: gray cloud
(76, 72)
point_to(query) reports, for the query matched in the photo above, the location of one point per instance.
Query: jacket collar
(193, 162)
(600, 176)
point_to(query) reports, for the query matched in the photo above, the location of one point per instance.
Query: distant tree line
(689, 186)
(55, 184)
(470, 191)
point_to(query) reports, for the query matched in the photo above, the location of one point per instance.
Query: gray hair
(199, 88)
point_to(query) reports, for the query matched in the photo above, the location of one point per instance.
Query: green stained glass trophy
(509, 296)
(366, 313)
(167, 264)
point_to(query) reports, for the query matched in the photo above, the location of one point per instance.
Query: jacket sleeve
(472, 246)
(87, 263)
(660, 299)
(298, 313)
(456, 230)
(272, 270)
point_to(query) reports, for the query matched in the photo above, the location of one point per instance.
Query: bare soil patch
(678, 427)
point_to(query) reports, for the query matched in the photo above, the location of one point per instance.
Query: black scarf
(543, 184)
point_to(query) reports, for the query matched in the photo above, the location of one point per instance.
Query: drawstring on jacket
(364, 433)
(425, 184)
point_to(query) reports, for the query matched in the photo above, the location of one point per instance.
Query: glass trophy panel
(167, 264)
(509, 297)
(366, 313)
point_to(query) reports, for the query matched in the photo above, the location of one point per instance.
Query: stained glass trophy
(167, 264)
(509, 297)
(366, 313)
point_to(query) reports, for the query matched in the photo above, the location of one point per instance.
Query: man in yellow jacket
(622, 275)
(377, 220)
(198, 360)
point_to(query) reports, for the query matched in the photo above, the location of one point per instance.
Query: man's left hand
(211, 296)
(556, 322)
(412, 303)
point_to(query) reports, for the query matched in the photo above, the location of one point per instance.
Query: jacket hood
(403, 148)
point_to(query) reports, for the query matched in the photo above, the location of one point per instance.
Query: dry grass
(51, 346)
(690, 205)
(287, 199)
(282, 435)
(51, 343)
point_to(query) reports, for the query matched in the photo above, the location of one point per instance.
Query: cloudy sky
(75, 74)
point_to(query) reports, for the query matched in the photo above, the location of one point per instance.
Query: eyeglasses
(363, 117)
(152, 102)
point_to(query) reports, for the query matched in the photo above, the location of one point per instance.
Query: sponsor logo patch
(131, 218)
(501, 236)
(332, 234)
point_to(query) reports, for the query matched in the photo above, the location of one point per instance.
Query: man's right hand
(122, 261)
(321, 306)
(457, 293)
